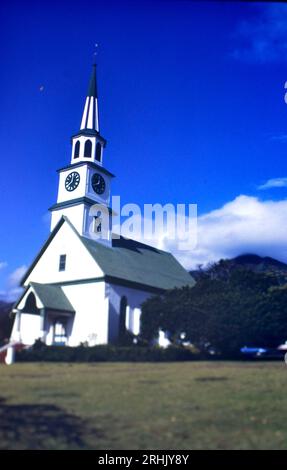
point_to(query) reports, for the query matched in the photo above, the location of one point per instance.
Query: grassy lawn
(215, 405)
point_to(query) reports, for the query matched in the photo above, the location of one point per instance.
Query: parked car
(268, 353)
(253, 351)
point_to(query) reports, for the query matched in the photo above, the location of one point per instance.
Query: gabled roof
(52, 297)
(129, 261)
(43, 249)
(135, 262)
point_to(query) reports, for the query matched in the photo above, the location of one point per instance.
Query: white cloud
(279, 138)
(16, 276)
(10, 295)
(263, 38)
(274, 183)
(13, 290)
(3, 264)
(244, 225)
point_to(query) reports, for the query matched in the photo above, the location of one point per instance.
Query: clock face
(72, 181)
(98, 183)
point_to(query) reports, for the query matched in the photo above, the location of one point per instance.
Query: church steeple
(90, 118)
(88, 144)
(85, 185)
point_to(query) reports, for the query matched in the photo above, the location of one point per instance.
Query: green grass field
(200, 405)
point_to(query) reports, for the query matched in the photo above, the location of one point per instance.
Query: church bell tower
(84, 185)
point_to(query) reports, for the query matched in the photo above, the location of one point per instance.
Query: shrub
(104, 353)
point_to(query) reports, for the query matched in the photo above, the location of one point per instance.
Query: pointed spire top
(93, 91)
(90, 118)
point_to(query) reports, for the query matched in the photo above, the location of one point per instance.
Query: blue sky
(191, 98)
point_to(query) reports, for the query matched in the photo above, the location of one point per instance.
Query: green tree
(227, 311)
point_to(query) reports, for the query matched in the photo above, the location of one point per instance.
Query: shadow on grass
(211, 379)
(42, 426)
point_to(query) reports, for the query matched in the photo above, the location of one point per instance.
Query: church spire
(86, 182)
(90, 118)
(88, 144)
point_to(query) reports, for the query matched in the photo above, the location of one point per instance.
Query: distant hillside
(252, 262)
(5, 321)
(4, 308)
(259, 263)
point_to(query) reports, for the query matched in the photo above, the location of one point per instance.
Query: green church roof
(137, 263)
(128, 262)
(52, 297)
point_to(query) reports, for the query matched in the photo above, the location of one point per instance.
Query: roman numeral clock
(72, 181)
(85, 181)
(98, 183)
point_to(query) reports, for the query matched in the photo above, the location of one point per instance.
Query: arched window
(122, 318)
(88, 149)
(30, 305)
(98, 223)
(98, 152)
(77, 149)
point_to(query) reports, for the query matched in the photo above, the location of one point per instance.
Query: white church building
(84, 287)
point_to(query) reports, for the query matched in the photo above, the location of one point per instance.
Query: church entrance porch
(58, 328)
(43, 312)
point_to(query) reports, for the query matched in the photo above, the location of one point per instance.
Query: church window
(122, 318)
(60, 334)
(97, 224)
(98, 152)
(88, 149)
(77, 149)
(62, 263)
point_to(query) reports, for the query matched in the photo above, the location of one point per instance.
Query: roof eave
(46, 244)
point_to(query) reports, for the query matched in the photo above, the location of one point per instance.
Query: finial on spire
(95, 53)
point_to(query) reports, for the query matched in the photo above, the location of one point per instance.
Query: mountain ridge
(250, 261)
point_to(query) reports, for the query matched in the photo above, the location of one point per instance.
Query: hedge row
(104, 353)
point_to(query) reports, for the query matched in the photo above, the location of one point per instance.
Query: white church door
(60, 332)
